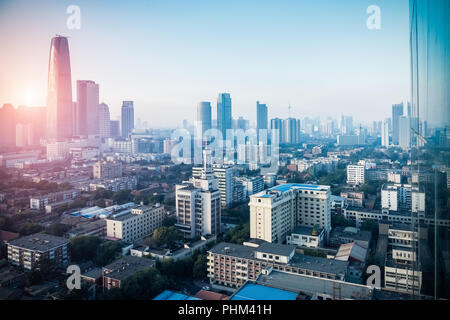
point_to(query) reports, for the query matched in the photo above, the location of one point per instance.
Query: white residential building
(135, 225)
(355, 174)
(274, 213)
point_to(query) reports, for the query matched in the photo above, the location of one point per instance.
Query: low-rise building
(31, 251)
(341, 235)
(135, 225)
(115, 273)
(311, 237)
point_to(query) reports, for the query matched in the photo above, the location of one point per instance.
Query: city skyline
(302, 68)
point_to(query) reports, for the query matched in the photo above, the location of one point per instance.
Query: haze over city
(319, 57)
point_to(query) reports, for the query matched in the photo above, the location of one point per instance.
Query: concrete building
(198, 203)
(117, 184)
(127, 118)
(275, 212)
(116, 272)
(30, 251)
(231, 265)
(251, 185)
(402, 197)
(355, 174)
(135, 225)
(39, 202)
(107, 170)
(306, 237)
(225, 176)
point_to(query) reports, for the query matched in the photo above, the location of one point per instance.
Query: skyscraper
(87, 107)
(277, 124)
(115, 128)
(224, 119)
(397, 112)
(204, 116)
(291, 127)
(385, 133)
(261, 116)
(404, 132)
(104, 121)
(127, 118)
(59, 94)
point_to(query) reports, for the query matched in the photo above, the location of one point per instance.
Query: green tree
(144, 285)
(167, 236)
(84, 248)
(200, 266)
(57, 229)
(30, 228)
(107, 252)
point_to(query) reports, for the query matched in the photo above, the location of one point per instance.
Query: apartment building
(198, 204)
(251, 185)
(117, 184)
(356, 174)
(116, 272)
(107, 170)
(275, 212)
(28, 252)
(39, 202)
(135, 225)
(225, 176)
(231, 265)
(402, 197)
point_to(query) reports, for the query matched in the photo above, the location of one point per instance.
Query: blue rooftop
(252, 291)
(172, 295)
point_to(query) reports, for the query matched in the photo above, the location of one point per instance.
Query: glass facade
(430, 124)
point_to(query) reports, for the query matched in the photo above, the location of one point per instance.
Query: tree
(107, 252)
(84, 248)
(169, 221)
(122, 196)
(200, 266)
(167, 236)
(30, 228)
(144, 285)
(57, 229)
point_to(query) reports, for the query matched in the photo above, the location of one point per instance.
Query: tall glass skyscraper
(127, 118)
(204, 116)
(59, 94)
(224, 119)
(87, 107)
(430, 88)
(397, 112)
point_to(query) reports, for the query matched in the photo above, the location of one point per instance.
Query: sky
(168, 55)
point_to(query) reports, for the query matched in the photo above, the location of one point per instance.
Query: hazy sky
(167, 55)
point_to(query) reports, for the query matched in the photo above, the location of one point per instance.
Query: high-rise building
(404, 132)
(104, 121)
(356, 174)
(385, 134)
(261, 116)
(87, 118)
(204, 116)
(275, 212)
(224, 118)
(397, 112)
(7, 126)
(291, 127)
(107, 170)
(24, 135)
(115, 128)
(127, 118)
(277, 124)
(59, 94)
(198, 203)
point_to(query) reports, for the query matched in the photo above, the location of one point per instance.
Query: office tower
(291, 128)
(277, 124)
(224, 119)
(204, 116)
(385, 134)
(7, 126)
(198, 203)
(261, 116)
(355, 174)
(127, 118)
(104, 121)
(115, 128)
(397, 112)
(404, 128)
(59, 94)
(346, 125)
(275, 212)
(242, 124)
(87, 107)
(24, 135)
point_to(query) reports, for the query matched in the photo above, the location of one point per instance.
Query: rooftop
(319, 264)
(306, 230)
(252, 291)
(274, 248)
(234, 250)
(172, 295)
(128, 266)
(291, 186)
(39, 242)
(312, 285)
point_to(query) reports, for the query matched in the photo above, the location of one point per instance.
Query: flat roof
(39, 242)
(319, 264)
(128, 266)
(172, 295)
(282, 188)
(306, 230)
(275, 248)
(252, 291)
(234, 250)
(311, 285)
